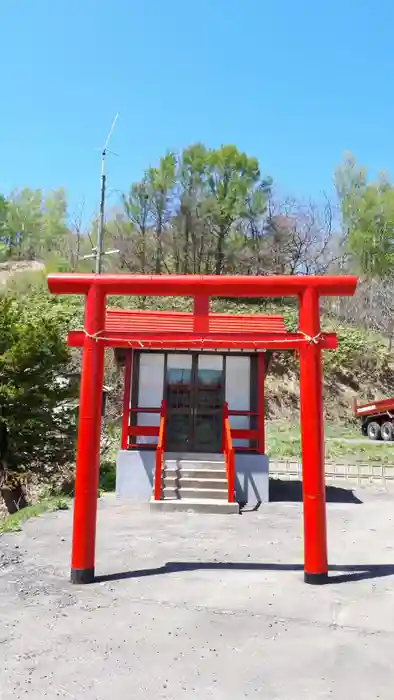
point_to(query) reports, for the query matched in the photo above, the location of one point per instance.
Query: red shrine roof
(184, 330)
(124, 321)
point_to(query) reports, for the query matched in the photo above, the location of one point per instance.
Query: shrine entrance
(194, 391)
(194, 394)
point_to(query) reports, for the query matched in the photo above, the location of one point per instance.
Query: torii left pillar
(88, 444)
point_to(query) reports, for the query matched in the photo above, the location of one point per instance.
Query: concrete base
(134, 474)
(251, 479)
(135, 469)
(195, 505)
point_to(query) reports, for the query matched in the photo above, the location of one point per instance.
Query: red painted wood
(159, 461)
(88, 443)
(244, 434)
(126, 400)
(208, 285)
(260, 403)
(173, 340)
(312, 440)
(124, 320)
(228, 451)
(201, 314)
(148, 430)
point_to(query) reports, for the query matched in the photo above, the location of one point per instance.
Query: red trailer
(377, 419)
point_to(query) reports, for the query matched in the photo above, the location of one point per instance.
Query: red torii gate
(309, 341)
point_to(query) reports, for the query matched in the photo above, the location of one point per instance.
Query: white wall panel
(150, 390)
(238, 393)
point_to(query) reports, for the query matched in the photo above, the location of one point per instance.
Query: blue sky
(294, 82)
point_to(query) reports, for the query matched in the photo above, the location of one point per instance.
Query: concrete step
(170, 481)
(171, 492)
(198, 492)
(194, 464)
(179, 482)
(196, 483)
(203, 474)
(194, 493)
(194, 456)
(195, 473)
(192, 505)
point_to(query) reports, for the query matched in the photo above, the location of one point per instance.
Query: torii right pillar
(312, 441)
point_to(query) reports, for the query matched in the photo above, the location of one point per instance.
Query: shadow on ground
(338, 574)
(292, 491)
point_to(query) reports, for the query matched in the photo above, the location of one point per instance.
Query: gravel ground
(191, 606)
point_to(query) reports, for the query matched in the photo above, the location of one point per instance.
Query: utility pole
(100, 229)
(97, 252)
(100, 232)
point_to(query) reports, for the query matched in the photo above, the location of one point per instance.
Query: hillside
(362, 365)
(11, 268)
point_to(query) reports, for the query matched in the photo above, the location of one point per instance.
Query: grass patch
(14, 522)
(283, 442)
(107, 477)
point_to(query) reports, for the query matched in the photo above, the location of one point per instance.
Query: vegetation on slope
(199, 211)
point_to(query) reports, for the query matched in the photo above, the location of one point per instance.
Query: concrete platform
(135, 468)
(196, 505)
(213, 608)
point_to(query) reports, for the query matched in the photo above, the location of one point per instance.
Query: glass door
(208, 403)
(194, 393)
(179, 397)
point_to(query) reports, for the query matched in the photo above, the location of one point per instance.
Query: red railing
(244, 433)
(128, 369)
(135, 431)
(228, 454)
(160, 454)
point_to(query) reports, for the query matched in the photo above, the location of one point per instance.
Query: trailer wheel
(387, 431)
(373, 430)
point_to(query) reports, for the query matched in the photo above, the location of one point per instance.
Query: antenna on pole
(100, 229)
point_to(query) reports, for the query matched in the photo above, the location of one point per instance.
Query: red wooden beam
(88, 444)
(260, 403)
(244, 434)
(205, 285)
(147, 430)
(126, 399)
(201, 314)
(312, 443)
(185, 341)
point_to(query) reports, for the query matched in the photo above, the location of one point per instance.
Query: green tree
(24, 223)
(37, 224)
(367, 210)
(138, 207)
(4, 235)
(54, 230)
(232, 176)
(160, 183)
(190, 242)
(36, 422)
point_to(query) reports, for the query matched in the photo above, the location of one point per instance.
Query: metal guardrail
(359, 473)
